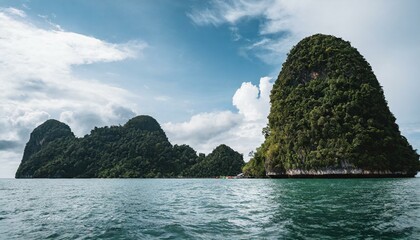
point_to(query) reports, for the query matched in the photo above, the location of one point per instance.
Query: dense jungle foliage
(140, 148)
(328, 110)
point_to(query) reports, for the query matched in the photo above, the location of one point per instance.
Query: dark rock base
(343, 176)
(340, 173)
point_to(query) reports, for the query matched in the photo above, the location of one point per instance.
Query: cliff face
(140, 148)
(43, 135)
(329, 116)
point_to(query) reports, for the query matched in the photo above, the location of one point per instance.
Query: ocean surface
(210, 209)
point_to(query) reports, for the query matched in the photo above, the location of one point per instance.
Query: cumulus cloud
(385, 32)
(38, 82)
(241, 130)
(203, 126)
(253, 101)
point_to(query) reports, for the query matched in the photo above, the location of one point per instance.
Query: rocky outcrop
(327, 107)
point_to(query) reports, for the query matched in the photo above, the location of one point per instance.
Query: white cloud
(16, 12)
(227, 11)
(37, 82)
(241, 131)
(202, 127)
(253, 102)
(385, 32)
(47, 52)
(235, 34)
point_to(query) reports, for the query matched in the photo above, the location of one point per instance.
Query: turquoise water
(210, 209)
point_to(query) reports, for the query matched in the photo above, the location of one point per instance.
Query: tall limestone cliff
(329, 117)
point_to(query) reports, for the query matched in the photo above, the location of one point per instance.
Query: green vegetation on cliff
(140, 148)
(329, 111)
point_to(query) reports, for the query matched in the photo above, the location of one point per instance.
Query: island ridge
(139, 149)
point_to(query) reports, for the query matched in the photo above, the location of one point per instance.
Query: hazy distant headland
(328, 118)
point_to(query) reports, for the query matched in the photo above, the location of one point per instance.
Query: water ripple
(210, 209)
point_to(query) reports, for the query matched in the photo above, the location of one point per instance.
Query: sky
(203, 69)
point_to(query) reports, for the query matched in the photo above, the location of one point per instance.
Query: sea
(210, 208)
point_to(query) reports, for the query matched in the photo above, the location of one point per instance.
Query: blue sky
(203, 69)
(182, 60)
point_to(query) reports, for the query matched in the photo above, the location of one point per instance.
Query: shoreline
(343, 176)
(341, 173)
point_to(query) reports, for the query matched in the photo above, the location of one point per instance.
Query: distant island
(329, 118)
(139, 149)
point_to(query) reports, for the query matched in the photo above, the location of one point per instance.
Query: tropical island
(328, 118)
(139, 149)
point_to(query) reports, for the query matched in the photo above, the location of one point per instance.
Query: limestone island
(139, 149)
(329, 118)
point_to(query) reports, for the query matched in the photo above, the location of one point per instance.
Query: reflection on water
(210, 208)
